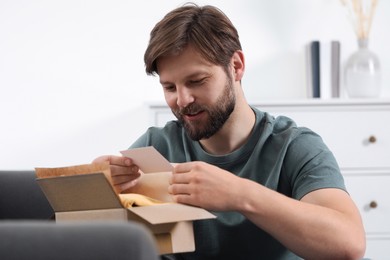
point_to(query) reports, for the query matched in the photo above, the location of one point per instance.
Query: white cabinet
(358, 133)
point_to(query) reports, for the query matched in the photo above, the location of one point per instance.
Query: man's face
(200, 94)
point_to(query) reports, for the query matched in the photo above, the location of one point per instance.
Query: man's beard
(218, 114)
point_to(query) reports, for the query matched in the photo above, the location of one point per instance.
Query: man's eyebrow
(164, 82)
(193, 75)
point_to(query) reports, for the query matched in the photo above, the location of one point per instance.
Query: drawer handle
(373, 204)
(372, 139)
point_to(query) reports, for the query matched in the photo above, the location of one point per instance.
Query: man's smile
(194, 115)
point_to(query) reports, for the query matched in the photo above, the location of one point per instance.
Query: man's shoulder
(170, 130)
(169, 127)
(162, 138)
(278, 123)
(283, 129)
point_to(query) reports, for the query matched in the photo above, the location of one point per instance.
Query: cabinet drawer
(377, 248)
(356, 138)
(371, 196)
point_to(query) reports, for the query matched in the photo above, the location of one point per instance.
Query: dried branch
(361, 14)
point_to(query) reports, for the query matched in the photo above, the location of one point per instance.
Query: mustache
(191, 109)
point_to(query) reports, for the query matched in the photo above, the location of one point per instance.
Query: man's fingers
(114, 160)
(177, 178)
(127, 185)
(124, 170)
(178, 189)
(120, 179)
(124, 173)
(183, 199)
(182, 167)
(119, 165)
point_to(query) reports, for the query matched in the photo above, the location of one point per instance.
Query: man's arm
(324, 224)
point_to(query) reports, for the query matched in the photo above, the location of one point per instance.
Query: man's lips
(194, 116)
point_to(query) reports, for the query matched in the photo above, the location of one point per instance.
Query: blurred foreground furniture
(76, 240)
(21, 197)
(27, 230)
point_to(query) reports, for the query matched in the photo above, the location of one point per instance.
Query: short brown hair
(205, 28)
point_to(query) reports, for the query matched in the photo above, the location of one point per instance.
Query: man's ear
(238, 63)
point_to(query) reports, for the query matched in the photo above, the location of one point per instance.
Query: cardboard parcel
(85, 192)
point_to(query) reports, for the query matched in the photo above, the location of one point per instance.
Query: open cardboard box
(85, 192)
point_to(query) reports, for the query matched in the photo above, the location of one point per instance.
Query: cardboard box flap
(103, 167)
(79, 192)
(170, 212)
(153, 185)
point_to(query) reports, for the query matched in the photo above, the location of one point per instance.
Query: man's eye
(169, 88)
(197, 82)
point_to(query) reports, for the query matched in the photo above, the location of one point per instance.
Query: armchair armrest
(75, 240)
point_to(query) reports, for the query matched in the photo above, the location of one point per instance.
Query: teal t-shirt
(279, 155)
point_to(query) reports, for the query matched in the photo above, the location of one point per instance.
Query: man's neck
(234, 133)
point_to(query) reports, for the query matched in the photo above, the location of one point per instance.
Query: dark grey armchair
(21, 197)
(27, 229)
(49, 240)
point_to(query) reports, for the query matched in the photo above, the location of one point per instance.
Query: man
(276, 189)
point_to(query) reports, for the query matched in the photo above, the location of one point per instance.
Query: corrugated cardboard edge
(171, 212)
(103, 167)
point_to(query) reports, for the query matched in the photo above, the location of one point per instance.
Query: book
(335, 69)
(315, 68)
(308, 72)
(323, 69)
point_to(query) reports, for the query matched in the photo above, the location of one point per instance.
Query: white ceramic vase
(362, 73)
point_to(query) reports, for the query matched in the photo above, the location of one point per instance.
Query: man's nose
(184, 96)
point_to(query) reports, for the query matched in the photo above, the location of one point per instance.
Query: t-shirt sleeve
(142, 141)
(311, 165)
(166, 140)
(154, 136)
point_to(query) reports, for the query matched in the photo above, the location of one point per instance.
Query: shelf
(302, 102)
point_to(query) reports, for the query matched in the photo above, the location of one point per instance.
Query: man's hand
(204, 185)
(124, 172)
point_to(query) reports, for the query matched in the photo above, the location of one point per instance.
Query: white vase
(362, 73)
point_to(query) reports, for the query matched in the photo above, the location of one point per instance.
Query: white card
(148, 159)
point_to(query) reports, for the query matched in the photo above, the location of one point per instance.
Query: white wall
(72, 80)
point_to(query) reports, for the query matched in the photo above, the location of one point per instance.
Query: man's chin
(193, 133)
